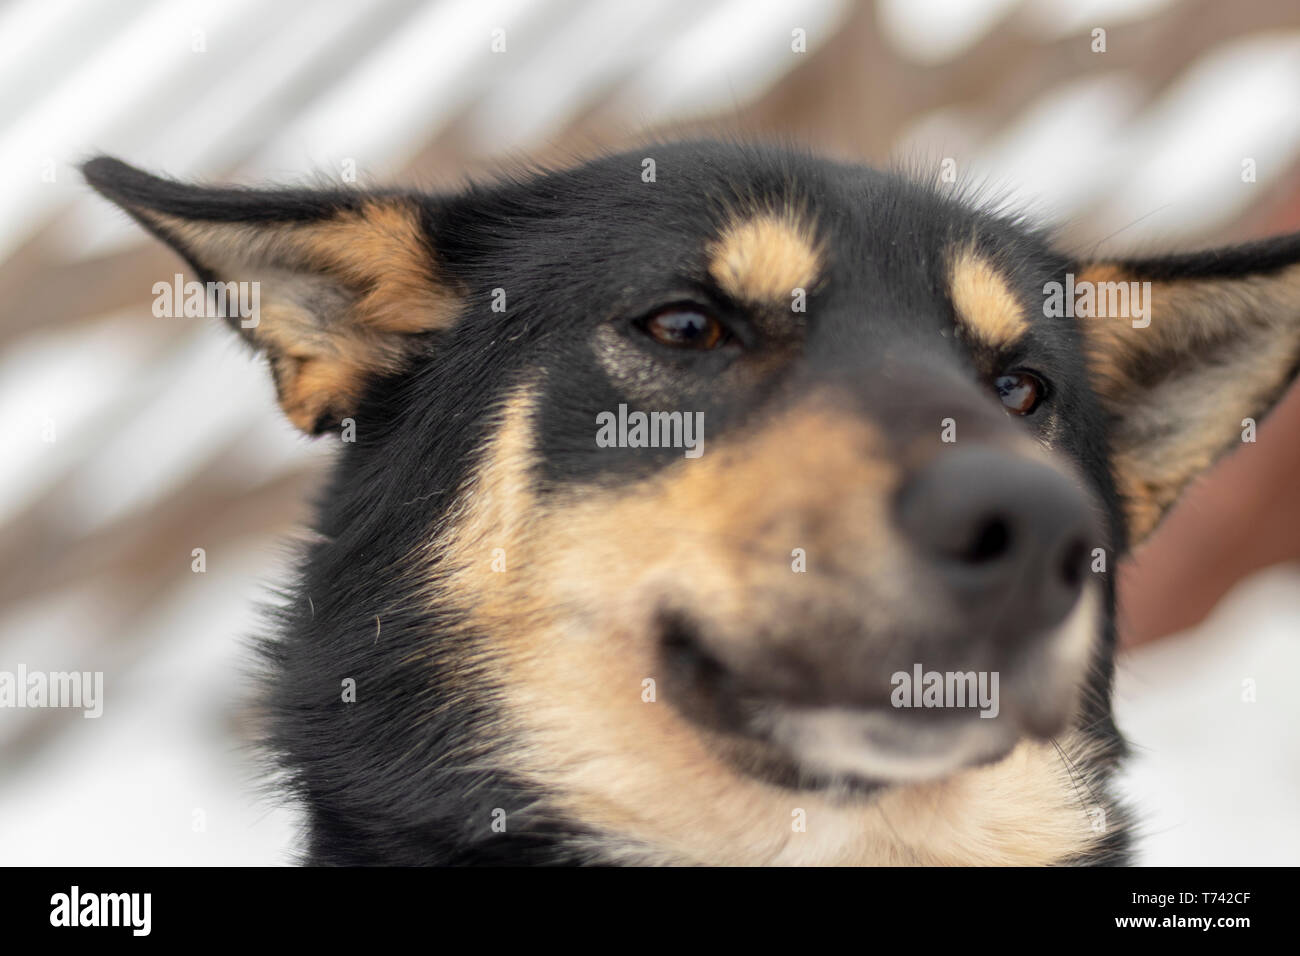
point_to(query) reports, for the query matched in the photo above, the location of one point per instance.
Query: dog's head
(714, 473)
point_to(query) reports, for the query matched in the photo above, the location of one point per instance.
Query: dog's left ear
(1214, 341)
(346, 281)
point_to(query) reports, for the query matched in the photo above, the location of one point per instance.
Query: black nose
(1010, 538)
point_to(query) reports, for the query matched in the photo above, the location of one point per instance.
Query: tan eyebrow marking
(764, 258)
(985, 305)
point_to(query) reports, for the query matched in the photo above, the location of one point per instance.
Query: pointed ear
(1213, 340)
(345, 281)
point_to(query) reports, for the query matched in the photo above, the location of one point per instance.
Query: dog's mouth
(789, 725)
(883, 745)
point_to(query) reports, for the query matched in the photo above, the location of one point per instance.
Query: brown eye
(683, 328)
(1020, 391)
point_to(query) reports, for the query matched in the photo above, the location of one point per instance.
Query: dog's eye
(685, 328)
(1020, 391)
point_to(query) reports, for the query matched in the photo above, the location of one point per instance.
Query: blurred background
(128, 440)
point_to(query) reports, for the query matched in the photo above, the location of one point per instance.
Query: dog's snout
(1001, 532)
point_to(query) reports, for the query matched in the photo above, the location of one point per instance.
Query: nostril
(991, 540)
(1073, 561)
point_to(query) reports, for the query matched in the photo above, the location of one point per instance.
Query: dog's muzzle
(992, 650)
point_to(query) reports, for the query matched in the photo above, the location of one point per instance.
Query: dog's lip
(885, 744)
(887, 727)
(863, 737)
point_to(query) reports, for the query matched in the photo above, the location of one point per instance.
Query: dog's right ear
(347, 281)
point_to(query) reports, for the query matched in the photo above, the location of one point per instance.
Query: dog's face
(870, 465)
(683, 479)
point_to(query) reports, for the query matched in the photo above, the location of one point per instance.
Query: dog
(717, 503)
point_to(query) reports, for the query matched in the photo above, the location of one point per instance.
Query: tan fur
(984, 304)
(382, 252)
(1230, 344)
(337, 296)
(762, 259)
(569, 626)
